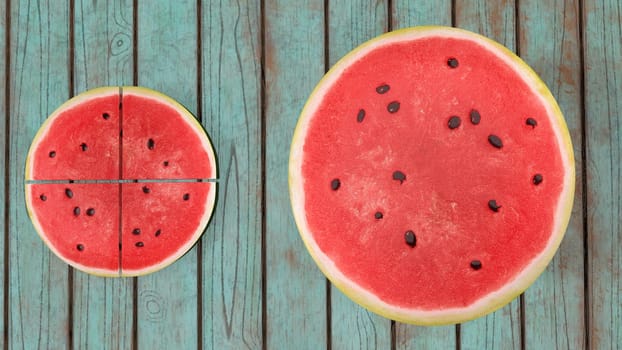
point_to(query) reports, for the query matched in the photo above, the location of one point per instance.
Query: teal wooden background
(245, 69)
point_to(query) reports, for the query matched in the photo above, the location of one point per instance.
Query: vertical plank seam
(329, 321)
(135, 82)
(135, 42)
(262, 102)
(200, 116)
(586, 289)
(7, 125)
(70, 291)
(389, 15)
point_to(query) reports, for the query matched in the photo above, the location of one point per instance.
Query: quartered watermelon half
(431, 175)
(120, 181)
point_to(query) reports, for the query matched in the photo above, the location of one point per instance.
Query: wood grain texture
(3, 149)
(294, 63)
(39, 82)
(167, 61)
(351, 23)
(102, 57)
(603, 129)
(550, 44)
(501, 329)
(407, 13)
(231, 110)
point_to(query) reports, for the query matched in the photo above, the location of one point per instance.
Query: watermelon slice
(69, 147)
(79, 222)
(431, 175)
(120, 181)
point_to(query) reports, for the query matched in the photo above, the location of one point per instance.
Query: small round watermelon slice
(431, 175)
(120, 181)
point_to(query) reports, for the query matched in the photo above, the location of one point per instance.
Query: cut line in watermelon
(431, 175)
(111, 160)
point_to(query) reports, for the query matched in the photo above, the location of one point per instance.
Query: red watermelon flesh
(147, 163)
(81, 214)
(431, 175)
(155, 216)
(82, 143)
(152, 151)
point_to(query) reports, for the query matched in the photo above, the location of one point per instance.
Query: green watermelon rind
(143, 92)
(489, 302)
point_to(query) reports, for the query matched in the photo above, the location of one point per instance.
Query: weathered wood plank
(603, 131)
(3, 142)
(410, 13)
(407, 13)
(102, 56)
(350, 23)
(167, 61)
(495, 20)
(294, 63)
(550, 44)
(38, 82)
(231, 110)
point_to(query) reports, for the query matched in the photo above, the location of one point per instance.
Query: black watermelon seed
(68, 193)
(492, 204)
(165, 163)
(382, 88)
(495, 141)
(84, 147)
(410, 238)
(452, 62)
(136, 231)
(393, 107)
(80, 247)
(106, 116)
(186, 196)
(90, 212)
(158, 232)
(475, 116)
(476, 264)
(199, 180)
(335, 184)
(76, 211)
(360, 116)
(399, 176)
(71, 181)
(139, 244)
(52, 154)
(454, 122)
(43, 197)
(146, 189)
(531, 122)
(537, 179)
(378, 215)
(151, 144)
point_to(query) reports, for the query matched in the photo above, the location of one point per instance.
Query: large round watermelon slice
(119, 181)
(431, 175)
